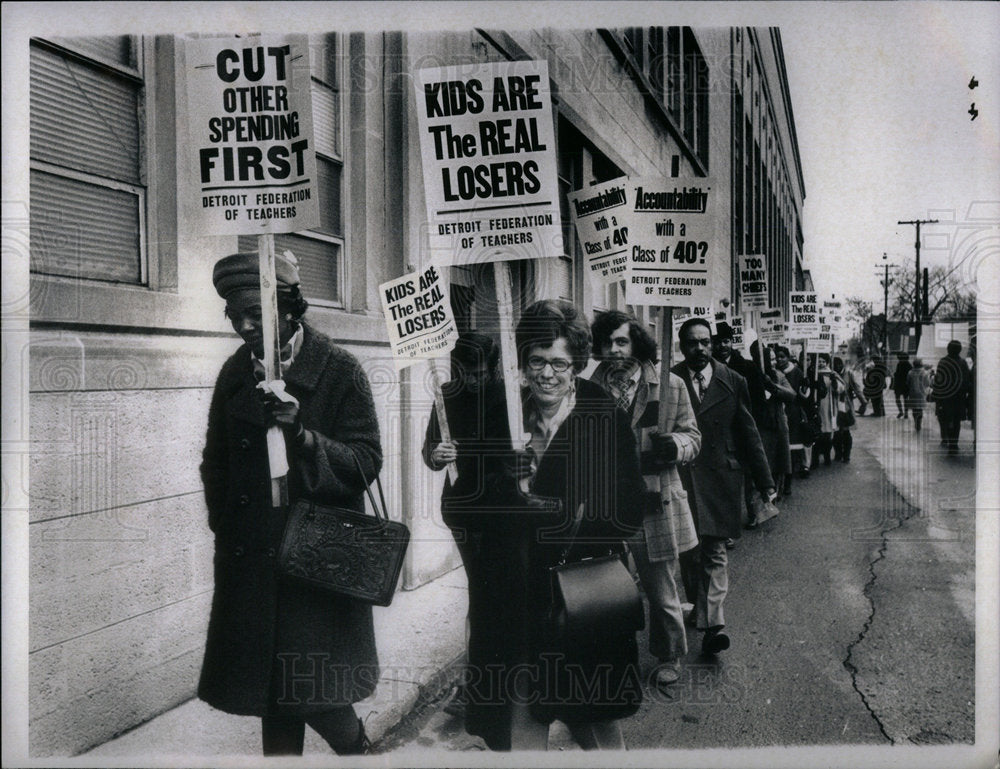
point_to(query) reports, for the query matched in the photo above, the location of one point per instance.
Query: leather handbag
(344, 552)
(592, 598)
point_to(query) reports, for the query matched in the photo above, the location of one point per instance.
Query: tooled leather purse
(344, 552)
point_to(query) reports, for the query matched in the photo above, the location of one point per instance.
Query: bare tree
(947, 296)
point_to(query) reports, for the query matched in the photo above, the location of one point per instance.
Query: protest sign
(672, 242)
(489, 158)
(753, 281)
(683, 314)
(740, 341)
(803, 315)
(833, 313)
(600, 214)
(418, 315)
(771, 329)
(250, 132)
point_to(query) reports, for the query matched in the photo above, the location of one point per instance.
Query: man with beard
(627, 370)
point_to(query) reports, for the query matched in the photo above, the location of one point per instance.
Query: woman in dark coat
(582, 452)
(474, 405)
(286, 653)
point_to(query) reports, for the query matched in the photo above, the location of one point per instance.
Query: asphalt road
(851, 616)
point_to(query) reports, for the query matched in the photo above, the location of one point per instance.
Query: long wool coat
(591, 458)
(729, 442)
(269, 639)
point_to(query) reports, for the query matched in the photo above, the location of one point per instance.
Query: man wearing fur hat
(285, 653)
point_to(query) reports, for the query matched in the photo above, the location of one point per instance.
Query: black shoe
(362, 745)
(730, 543)
(714, 642)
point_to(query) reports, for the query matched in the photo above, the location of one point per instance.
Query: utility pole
(885, 306)
(918, 316)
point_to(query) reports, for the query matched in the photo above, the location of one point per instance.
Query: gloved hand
(280, 409)
(665, 446)
(518, 465)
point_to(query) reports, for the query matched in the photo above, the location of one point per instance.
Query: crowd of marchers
(718, 441)
(635, 464)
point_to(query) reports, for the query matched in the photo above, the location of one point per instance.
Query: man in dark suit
(714, 480)
(758, 386)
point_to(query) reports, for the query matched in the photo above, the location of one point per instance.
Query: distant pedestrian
(843, 441)
(773, 428)
(829, 389)
(917, 383)
(628, 372)
(874, 385)
(951, 394)
(799, 432)
(899, 376)
(856, 386)
(714, 481)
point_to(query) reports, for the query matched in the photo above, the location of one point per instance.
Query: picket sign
(276, 456)
(508, 356)
(666, 345)
(450, 468)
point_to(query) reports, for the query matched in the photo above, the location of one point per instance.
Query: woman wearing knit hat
(288, 654)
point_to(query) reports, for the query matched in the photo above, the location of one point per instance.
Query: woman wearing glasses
(581, 452)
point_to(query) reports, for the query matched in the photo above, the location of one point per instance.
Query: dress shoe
(668, 673)
(730, 543)
(714, 642)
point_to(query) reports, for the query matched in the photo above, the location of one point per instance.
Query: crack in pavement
(901, 505)
(901, 512)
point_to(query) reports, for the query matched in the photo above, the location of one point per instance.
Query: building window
(670, 67)
(579, 164)
(87, 165)
(320, 251)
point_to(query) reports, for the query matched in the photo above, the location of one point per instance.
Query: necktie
(700, 379)
(625, 398)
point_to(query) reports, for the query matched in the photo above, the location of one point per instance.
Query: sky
(881, 98)
(879, 92)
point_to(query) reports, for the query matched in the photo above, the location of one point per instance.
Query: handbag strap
(381, 514)
(577, 520)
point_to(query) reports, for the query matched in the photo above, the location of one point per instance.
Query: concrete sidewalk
(421, 642)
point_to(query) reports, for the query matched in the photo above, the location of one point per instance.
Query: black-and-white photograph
(501, 383)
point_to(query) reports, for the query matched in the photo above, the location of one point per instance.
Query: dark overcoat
(477, 424)
(729, 442)
(267, 638)
(592, 458)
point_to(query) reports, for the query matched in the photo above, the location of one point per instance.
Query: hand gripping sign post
(421, 326)
(487, 142)
(253, 165)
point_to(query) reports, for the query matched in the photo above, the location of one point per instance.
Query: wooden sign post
(666, 345)
(508, 356)
(276, 456)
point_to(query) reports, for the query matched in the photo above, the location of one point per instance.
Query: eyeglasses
(559, 365)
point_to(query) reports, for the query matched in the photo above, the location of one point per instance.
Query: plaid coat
(668, 524)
